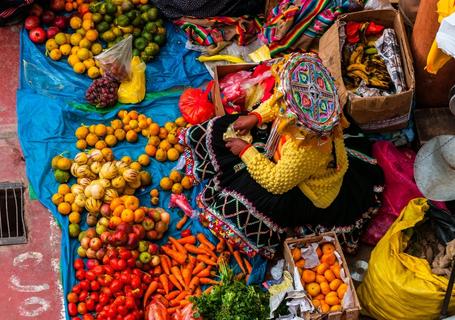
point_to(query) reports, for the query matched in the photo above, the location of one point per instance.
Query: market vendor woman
(302, 179)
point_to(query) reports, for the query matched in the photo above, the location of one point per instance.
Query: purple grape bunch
(103, 92)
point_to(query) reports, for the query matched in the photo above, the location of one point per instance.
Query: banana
(358, 66)
(356, 55)
(378, 83)
(359, 74)
(219, 57)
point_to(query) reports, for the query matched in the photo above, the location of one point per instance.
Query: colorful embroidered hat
(310, 93)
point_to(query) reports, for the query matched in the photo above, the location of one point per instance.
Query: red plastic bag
(195, 106)
(184, 314)
(156, 311)
(399, 188)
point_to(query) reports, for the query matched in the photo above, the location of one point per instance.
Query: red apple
(52, 31)
(139, 230)
(60, 22)
(48, 17)
(95, 244)
(36, 10)
(31, 22)
(105, 208)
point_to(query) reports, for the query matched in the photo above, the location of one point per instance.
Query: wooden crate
(348, 314)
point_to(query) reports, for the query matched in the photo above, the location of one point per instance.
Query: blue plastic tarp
(47, 120)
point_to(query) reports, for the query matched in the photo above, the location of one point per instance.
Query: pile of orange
(323, 283)
(175, 182)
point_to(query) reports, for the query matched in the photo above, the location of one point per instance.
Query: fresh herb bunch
(232, 300)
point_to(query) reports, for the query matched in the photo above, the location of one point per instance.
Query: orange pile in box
(323, 283)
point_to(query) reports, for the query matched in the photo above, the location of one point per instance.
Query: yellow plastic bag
(133, 91)
(397, 285)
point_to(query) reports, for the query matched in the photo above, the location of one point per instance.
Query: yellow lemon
(87, 25)
(60, 38)
(79, 67)
(55, 54)
(85, 43)
(51, 45)
(93, 72)
(75, 39)
(96, 48)
(75, 23)
(73, 59)
(89, 63)
(83, 54)
(91, 34)
(65, 49)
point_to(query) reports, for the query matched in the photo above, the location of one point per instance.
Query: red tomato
(72, 297)
(130, 317)
(137, 272)
(104, 299)
(146, 278)
(113, 263)
(94, 295)
(90, 275)
(107, 291)
(72, 309)
(129, 303)
(83, 295)
(88, 316)
(121, 264)
(85, 285)
(115, 286)
(185, 233)
(80, 275)
(108, 270)
(121, 309)
(75, 318)
(135, 282)
(90, 304)
(95, 285)
(98, 270)
(77, 288)
(81, 308)
(78, 264)
(125, 254)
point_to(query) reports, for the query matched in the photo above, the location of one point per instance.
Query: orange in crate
(308, 276)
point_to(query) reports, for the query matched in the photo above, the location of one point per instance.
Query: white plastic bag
(116, 60)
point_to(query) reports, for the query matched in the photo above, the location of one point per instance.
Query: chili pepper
(374, 29)
(352, 31)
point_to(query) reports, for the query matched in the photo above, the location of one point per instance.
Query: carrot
(181, 222)
(175, 282)
(172, 295)
(205, 273)
(184, 303)
(193, 284)
(220, 246)
(177, 256)
(180, 297)
(208, 281)
(165, 282)
(160, 291)
(162, 299)
(198, 291)
(203, 239)
(198, 268)
(238, 258)
(170, 310)
(247, 265)
(189, 239)
(192, 260)
(165, 264)
(157, 270)
(195, 250)
(208, 290)
(205, 259)
(177, 245)
(150, 290)
(178, 275)
(186, 274)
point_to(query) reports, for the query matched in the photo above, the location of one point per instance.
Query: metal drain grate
(12, 224)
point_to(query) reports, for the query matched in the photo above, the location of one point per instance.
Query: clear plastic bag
(116, 61)
(133, 90)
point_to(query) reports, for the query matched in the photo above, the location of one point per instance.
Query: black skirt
(236, 207)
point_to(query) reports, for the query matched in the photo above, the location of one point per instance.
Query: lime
(136, 52)
(108, 18)
(127, 6)
(145, 16)
(150, 27)
(137, 22)
(160, 39)
(145, 57)
(108, 36)
(111, 8)
(102, 8)
(117, 31)
(149, 51)
(123, 20)
(152, 14)
(145, 8)
(155, 48)
(136, 32)
(160, 22)
(96, 17)
(140, 43)
(147, 36)
(132, 14)
(94, 7)
(102, 27)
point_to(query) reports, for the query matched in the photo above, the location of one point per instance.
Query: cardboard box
(220, 72)
(374, 114)
(348, 314)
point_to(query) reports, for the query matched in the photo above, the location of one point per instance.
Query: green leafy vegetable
(232, 300)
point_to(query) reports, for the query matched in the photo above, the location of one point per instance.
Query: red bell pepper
(352, 31)
(374, 29)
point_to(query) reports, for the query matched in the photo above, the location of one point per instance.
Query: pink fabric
(400, 187)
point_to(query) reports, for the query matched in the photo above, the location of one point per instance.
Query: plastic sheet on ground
(50, 107)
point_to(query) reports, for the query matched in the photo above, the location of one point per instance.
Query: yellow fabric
(269, 110)
(133, 91)
(436, 59)
(305, 166)
(400, 286)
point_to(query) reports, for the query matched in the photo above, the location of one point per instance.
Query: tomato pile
(113, 290)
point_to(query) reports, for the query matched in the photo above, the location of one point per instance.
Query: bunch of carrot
(186, 265)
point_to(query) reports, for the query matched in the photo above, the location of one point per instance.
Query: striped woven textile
(292, 19)
(210, 31)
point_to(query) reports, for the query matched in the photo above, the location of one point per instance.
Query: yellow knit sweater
(305, 166)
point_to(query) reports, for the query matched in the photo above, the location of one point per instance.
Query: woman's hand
(244, 124)
(236, 145)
